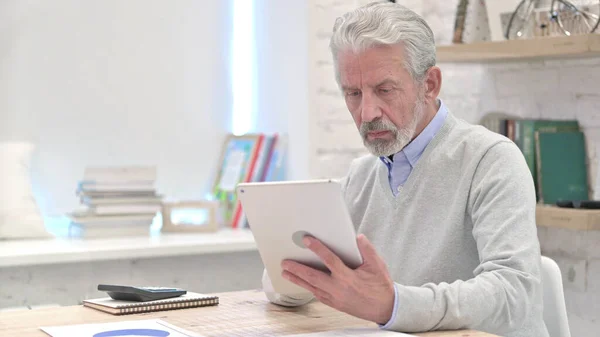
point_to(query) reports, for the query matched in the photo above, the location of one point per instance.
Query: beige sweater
(460, 238)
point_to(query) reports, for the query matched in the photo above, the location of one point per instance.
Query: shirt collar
(415, 148)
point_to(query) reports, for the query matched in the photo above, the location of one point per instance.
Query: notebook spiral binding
(137, 308)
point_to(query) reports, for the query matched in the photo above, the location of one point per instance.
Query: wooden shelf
(569, 218)
(547, 47)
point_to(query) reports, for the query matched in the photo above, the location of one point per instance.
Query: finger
(331, 261)
(314, 277)
(367, 250)
(319, 293)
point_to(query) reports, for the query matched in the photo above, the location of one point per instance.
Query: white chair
(555, 310)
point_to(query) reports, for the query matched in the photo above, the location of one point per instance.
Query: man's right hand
(282, 299)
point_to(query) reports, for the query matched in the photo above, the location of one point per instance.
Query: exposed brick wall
(562, 88)
(578, 256)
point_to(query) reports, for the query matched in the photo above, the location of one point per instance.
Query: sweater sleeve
(282, 299)
(506, 283)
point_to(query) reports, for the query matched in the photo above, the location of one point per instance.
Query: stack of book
(116, 201)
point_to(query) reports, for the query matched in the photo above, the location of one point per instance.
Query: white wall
(282, 76)
(115, 82)
(143, 82)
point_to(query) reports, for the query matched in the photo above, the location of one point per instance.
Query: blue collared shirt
(404, 161)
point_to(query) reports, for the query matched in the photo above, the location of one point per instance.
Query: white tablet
(280, 214)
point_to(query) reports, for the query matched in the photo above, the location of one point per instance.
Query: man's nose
(370, 109)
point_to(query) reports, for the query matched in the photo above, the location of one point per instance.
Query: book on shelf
(120, 200)
(117, 307)
(276, 165)
(76, 230)
(86, 186)
(119, 174)
(115, 209)
(262, 160)
(128, 179)
(561, 166)
(525, 130)
(117, 194)
(90, 219)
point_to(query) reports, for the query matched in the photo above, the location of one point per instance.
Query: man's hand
(366, 292)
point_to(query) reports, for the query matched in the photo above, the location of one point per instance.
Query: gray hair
(386, 23)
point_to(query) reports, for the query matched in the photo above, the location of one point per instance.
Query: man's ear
(433, 83)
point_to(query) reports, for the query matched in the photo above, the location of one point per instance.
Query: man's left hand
(366, 292)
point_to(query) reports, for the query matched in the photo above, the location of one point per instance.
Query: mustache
(377, 126)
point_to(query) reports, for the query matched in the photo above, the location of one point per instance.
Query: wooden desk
(245, 313)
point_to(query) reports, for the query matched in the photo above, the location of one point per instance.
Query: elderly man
(445, 209)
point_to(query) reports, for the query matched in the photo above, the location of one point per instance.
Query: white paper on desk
(143, 328)
(354, 332)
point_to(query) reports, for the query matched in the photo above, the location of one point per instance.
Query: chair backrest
(555, 310)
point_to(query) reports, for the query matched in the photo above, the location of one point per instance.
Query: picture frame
(190, 216)
(233, 167)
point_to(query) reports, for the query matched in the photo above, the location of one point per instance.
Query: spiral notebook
(116, 307)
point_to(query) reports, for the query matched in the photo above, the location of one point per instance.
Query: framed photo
(234, 167)
(190, 216)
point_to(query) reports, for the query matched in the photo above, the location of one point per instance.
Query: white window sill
(61, 250)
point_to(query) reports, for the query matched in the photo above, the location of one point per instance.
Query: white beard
(384, 147)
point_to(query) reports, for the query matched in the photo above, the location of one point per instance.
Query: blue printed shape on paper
(133, 332)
